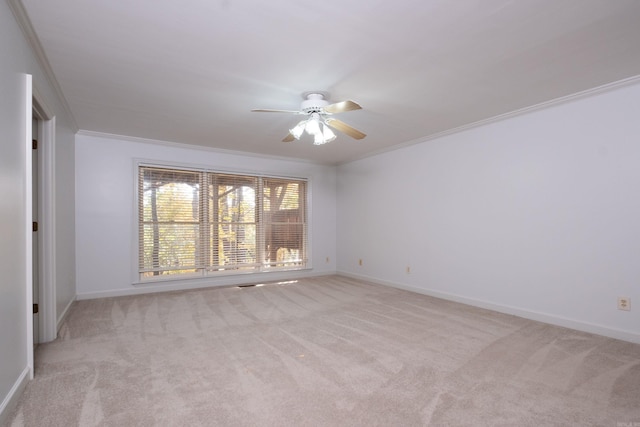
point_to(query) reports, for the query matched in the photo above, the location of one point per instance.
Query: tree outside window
(201, 223)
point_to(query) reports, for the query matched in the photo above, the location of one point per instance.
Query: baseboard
(64, 315)
(10, 401)
(149, 288)
(527, 314)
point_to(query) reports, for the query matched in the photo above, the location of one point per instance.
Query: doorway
(35, 248)
(43, 211)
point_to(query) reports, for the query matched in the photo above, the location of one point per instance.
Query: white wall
(17, 60)
(13, 333)
(106, 225)
(65, 240)
(537, 215)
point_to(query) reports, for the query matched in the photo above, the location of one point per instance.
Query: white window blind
(284, 222)
(201, 223)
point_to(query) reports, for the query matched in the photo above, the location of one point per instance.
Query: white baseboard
(527, 314)
(64, 315)
(148, 288)
(10, 401)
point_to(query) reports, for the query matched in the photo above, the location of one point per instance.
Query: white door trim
(28, 190)
(46, 218)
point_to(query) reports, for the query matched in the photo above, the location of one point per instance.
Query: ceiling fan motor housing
(314, 103)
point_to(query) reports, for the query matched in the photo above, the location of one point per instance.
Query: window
(202, 223)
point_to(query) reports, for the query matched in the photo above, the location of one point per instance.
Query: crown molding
(188, 146)
(526, 110)
(22, 18)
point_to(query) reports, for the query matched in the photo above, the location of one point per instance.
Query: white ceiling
(190, 71)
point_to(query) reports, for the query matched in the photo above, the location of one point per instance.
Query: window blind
(201, 222)
(284, 222)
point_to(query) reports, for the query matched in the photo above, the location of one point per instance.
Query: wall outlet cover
(624, 303)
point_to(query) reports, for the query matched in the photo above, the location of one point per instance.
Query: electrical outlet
(408, 269)
(624, 303)
(360, 261)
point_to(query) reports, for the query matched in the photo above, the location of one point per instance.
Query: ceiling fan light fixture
(328, 134)
(313, 125)
(323, 137)
(296, 132)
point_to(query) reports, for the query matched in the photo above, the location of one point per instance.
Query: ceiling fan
(319, 122)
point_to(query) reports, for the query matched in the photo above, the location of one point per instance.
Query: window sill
(225, 278)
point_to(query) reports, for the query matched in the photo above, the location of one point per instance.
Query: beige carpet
(323, 352)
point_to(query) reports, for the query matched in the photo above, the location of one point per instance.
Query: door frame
(46, 217)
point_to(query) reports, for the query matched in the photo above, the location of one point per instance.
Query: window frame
(209, 272)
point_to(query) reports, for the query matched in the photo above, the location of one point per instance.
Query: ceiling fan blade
(289, 138)
(275, 111)
(345, 128)
(340, 107)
